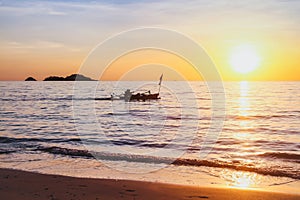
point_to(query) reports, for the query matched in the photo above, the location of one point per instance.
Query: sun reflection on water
(244, 104)
(244, 88)
(244, 109)
(238, 179)
(242, 180)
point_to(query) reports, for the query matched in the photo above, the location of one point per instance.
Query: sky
(41, 38)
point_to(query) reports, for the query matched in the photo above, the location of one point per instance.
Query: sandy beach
(15, 184)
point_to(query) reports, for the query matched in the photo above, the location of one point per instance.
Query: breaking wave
(178, 161)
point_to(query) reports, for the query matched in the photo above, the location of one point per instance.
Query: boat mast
(160, 80)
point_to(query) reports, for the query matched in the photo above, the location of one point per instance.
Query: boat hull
(144, 97)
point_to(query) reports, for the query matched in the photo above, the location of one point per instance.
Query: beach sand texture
(15, 184)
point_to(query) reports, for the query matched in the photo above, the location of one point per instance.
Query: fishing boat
(129, 96)
(135, 96)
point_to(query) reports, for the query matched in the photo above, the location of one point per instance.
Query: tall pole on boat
(160, 80)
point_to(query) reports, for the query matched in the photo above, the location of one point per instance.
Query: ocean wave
(7, 151)
(121, 142)
(19, 140)
(57, 99)
(280, 155)
(257, 117)
(66, 151)
(164, 160)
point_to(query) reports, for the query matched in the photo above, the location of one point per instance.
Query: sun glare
(244, 59)
(243, 180)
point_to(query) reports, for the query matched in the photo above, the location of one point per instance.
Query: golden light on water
(240, 179)
(244, 108)
(243, 180)
(243, 102)
(244, 88)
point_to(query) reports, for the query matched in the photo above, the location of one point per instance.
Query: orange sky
(152, 63)
(54, 38)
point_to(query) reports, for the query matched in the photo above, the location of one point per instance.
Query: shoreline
(17, 184)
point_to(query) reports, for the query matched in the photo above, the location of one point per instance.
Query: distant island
(73, 77)
(30, 79)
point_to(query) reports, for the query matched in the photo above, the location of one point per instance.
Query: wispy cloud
(82, 24)
(35, 45)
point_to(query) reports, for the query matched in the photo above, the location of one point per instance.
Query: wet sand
(21, 185)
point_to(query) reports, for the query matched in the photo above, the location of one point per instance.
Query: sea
(214, 134)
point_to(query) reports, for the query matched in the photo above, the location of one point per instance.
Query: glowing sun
(244, 59)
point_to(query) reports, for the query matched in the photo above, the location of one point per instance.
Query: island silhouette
(30, 79)
(73, 77)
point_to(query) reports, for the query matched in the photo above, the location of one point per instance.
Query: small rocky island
(30, 79)
(73, 77)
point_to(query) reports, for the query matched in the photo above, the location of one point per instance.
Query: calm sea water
(54, 127)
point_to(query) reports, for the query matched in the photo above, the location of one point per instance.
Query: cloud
(153, 12)
(28, 8)
(36, 45)
(82, 24)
